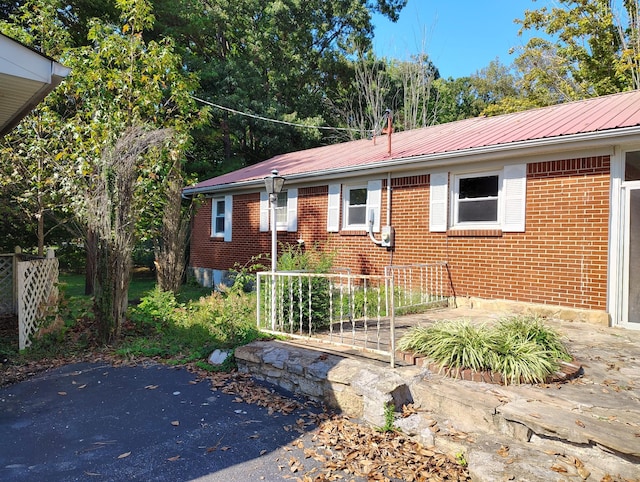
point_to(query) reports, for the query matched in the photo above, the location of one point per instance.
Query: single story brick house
(540, 207)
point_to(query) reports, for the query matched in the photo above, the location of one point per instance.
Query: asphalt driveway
(98, 422)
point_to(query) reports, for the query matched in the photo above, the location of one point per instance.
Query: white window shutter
(374, 199)
(228, 219)
(292, 210)
(213, 217)
(333, 208)
(264, 211)
(438, 199)
(514, 197)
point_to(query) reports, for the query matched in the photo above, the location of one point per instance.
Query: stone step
(526, 433)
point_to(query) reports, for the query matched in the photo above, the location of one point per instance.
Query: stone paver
(588, 428)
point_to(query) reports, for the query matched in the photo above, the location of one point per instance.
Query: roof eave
(445, 159)
(27, 67)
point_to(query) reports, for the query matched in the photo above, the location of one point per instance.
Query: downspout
(389, 198)
(393, 248)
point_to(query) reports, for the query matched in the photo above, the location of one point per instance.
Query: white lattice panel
(37, 291)
(7, 302)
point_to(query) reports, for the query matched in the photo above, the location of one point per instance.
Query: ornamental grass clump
(455, 344)
(532, 328)
(521, 349)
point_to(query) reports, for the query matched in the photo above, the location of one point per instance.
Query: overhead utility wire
(254, 116)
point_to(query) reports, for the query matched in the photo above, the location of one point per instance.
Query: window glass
(632, 166)
(478, 211)
(281, 209)
(478, 199)
(483, 186)
(357, 209)
(218, 222)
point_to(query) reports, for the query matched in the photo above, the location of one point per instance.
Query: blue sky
(460, 36)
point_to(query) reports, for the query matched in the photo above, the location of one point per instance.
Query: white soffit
(26, 77)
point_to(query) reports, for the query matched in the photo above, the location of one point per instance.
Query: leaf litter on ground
(341, 449)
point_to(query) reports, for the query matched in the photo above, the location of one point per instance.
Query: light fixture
(273, 184)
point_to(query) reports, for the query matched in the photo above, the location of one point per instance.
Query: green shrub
(295, 292)
(452, 344)
(521, 349)
(520, 360)
(367, 302)
(186, 332)
(530, 328)
(158, 309)
(244, 276)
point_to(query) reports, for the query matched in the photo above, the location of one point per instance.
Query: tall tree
(416, 79)
(118, 83)
(276, 58)
(29, 153)
(590, 49)
(110, 208)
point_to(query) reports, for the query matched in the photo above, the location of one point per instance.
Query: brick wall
(560, 259)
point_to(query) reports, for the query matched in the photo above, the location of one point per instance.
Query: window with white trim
(482, 200)
(221, 217)
(476, 199)
(286, 211)
(217, 217)
(360, 202)
(281, 210)
(355, 207)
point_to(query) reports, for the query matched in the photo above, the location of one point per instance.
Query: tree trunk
(112, 216)
(171, 246)
(91, 260)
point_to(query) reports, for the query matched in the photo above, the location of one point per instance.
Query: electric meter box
(388, 236)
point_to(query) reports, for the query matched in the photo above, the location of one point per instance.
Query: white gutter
(444, 159)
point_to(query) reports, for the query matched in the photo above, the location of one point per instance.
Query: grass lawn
(141, 283)
(180, 329)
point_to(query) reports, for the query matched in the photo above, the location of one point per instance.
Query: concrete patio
(584, 429)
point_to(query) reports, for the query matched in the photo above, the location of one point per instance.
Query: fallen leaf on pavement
(124, 455)
(559, 468)
(503, 451)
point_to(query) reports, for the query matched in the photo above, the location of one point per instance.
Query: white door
(631, 264)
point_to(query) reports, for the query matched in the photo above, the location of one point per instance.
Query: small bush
(530, 328)
(186, 332)
(453, 344)
(157, 308)
(296, 306)
(521, 349)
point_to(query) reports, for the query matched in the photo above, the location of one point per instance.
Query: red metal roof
(581, 117)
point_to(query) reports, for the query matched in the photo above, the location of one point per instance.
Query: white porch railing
(419, 286)
(343, 308)
(348, 309)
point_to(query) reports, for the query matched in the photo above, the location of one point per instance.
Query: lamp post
(273, 185)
